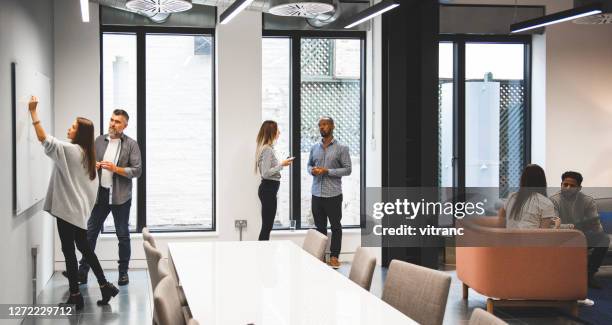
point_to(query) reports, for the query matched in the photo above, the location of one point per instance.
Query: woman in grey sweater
(269, 169)
(70, 197)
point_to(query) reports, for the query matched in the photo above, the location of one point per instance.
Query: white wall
(571, 98)
(26, 33)
(579, 101)
(238, 110)
(77, 64)
(238, 114)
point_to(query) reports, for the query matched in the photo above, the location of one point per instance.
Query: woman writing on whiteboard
(70, 197)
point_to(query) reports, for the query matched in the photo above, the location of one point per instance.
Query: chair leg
(573, 309)
(490, 305)
(465, 291)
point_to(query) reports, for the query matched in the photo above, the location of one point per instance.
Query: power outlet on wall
(240, 223)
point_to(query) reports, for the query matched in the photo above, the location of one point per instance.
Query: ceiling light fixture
(159, 6)
(555, 18)
(233, 10)
(300, 8)
(373, 11)
(85, 10)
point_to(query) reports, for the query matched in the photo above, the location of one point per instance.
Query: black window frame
(459, 41)
(295, 38)
(141, 32)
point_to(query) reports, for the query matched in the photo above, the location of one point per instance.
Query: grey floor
(133, 306)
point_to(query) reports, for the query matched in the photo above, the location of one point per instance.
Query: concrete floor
(133, 304)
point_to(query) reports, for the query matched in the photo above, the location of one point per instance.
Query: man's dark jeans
(324, 208)
(599, 242)
(121, 216)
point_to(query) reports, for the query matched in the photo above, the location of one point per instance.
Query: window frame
(459, 142)
(141, 32)
(295, 38)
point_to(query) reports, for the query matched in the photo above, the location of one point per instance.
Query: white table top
(273, 282)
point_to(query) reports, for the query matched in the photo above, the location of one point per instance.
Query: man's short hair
(122, 113)
(331, 120)
(574, 175)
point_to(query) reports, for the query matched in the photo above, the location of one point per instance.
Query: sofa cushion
(604, 204)
(606, 221)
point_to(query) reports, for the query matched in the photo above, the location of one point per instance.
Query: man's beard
(112, 132)
(569, 193)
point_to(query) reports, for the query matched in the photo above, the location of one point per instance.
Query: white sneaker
(586, 302)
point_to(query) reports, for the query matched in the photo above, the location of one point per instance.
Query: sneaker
(82, 277)
(586, 302)
(333, 262)
(124, 279)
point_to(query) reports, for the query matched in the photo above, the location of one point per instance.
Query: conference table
(272, 282)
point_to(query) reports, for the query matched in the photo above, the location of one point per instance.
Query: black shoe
(594, 284)
(74, 299)
(108, 291)
(124, 279)
(82, 277)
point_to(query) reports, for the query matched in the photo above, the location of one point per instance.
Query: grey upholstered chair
(418, 292)
(163, 271)
(315, 244)
(146, 236)
(481, 317)
(153, 256)
(362, 268)
(168, 310)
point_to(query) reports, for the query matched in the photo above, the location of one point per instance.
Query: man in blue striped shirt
(327, 163)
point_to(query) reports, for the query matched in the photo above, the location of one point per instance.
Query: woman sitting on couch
(530, 207)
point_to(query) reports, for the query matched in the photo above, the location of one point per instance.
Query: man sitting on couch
(579, 209)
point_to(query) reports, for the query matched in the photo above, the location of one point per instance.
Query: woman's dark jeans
(268, 190)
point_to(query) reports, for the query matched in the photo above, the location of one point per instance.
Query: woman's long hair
(265, 137)
(533, 181)
(85, 138)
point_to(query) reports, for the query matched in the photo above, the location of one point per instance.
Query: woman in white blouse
(269, 169)
(70, 198)
(530, 207)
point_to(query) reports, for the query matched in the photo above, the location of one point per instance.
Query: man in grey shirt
(118, 162)
(328, 162)
(579, 209)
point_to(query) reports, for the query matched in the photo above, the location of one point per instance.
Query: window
(276, 105)
(329, 82)
(484, 118)
(119, 91)
(165, 82)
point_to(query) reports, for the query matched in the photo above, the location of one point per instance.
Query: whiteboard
(32, 166)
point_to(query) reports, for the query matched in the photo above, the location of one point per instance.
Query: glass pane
(495, 111)
(119, 91)
(445, 115)
(331, 86)
(276, 105)
(179, 131)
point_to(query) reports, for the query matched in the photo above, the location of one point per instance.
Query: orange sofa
(526, 267)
